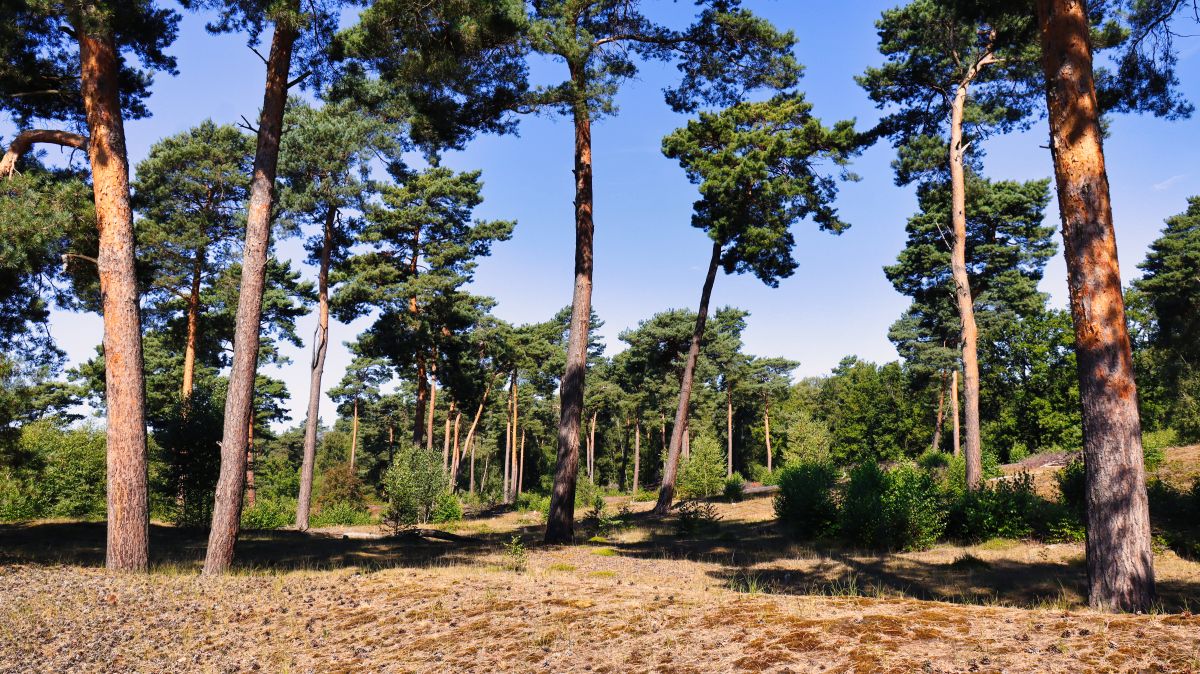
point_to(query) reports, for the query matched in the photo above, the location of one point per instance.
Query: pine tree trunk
(514, 389)
(455, 456)
(250, 493)
(227, 508)
(446, 439)
(941, 414)
(666, 493)
(317, 370)
(128, 535)
(1120, 562)
(521, 467)
(767, 432)
(354, 435)
(471, 488)
(193, 324)
(471, 430)
(592, 450)
(962, 287)
(729, 432)
(433, 389)
(954, 404)
(422, 400)
(507, 457)
(560, 523)
(687, 442)
(637, 453)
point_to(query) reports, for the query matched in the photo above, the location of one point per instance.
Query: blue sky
(648, 257)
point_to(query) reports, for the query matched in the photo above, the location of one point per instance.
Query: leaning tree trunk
(560, 523)
(1120, 563)
(666, 493)
(317, 370)
(227, 509)
(193, 326)
(962, 287)
(128, 543)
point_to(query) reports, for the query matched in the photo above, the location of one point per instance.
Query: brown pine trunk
(455, 457)
(592, 450)
(507, 460)
(767, 432)
(471, 489)
(25, 140)
(354, 435)
(128, 536)
(227, 509)
(728, 432)
(560, 523)
(471, 430)
(514, 390)
(193, 324)
(954, 404)
(521, 466)
(317, 370)
(1119, 559)
(637, 452)
(941, 414)
(687, 442)
(446, 439)
(433, 389)
(422, 398)
(666, 493)
(962, 285)
(250, 468)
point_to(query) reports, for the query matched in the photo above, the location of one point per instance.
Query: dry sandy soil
(739, 598)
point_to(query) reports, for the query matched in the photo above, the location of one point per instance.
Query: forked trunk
(666, 493)
(962, 285)
(193, 324)
(227, 510)
(317, 370)
(1120, 563)
(128, 537)
(560, 523)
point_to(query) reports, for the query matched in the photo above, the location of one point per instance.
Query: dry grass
(742, 598)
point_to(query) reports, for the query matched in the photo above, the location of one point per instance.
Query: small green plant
(695, 517)
(1070, 481)
(1007, 508)
(760, 474)
(530, 501)
(805, 503)
(517, 556)
(341, 514)
(933, 460)
(735, 488)
(446, 508)
(748, 582)
(900, 509)
(415, 487)
(703, 473)
(269, 513)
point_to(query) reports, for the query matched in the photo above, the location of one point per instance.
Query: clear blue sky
(648, 257)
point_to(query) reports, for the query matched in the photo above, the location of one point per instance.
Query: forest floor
(738, 597)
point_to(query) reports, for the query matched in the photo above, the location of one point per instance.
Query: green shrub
(899, 509)
(585, 493)
(1160, 439)
(276, 477)
(1152, 457)
(703, 473)
(270, 513)
(70, 474)
(340, 484)
(1071, 490)
(805, 503)
(187, 437)
(1008, 508)
(18, 501)
(446, 508)
(341, 514)
(694, 517)
(413, 485)
(531, 501)
(933, 460)
(735, 488)
(760, 474)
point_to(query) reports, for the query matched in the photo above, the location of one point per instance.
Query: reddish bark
(25, 141)
(320, 346)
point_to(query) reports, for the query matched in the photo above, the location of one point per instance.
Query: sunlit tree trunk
(193, 325)
(767, 432)
(470, 431)
(507, 458)
(560, 523)
(227, 510)
(433, 390)
(592, 450)
(446, 439)
(941, 414)
(128, 534)
(666, 493)
(521, 466)
(954, 405)
(422, 400)
(354, 435)
(250, 493)
(456, 453)
(514, 390)
(728, 432)
(317, 370)
(1120, 562)
(637, 452)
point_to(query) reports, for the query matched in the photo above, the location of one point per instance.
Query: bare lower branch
(26, 140)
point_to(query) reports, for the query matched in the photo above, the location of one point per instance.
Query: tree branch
(26, 140)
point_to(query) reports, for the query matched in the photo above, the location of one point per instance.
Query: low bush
(413, 485)
(695, 517)
(1008, 508)
(529, 501)
(900, 509)
(760, 474)
(806, 503)
(341, 514)
(934, 460)
(1071, 492)
(18, 501)
(340, 485)
(270, 513)
(703, 473)
(735, 488)
(446, 508)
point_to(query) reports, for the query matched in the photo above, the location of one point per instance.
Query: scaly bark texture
(560, 523)
(728, 432)
(128, 544)
(193, 328)
(666, 493)
(317, 370)
(1120, 563)
(227, 509)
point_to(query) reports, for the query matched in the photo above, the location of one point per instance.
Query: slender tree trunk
(962, 286)
(446, 439)
(666, 493)
(316, 372)
(1119, 559)
(422, 400)
(455, 458)
(560, 523)
(521, 467)
(514, 390)
(227, 510)
(193, 324)
(687, 442)
(954, 404)
(250, 492)
(592, 450)
(433, 389)
(471, 489)
(941, 414)
(474, 425)
(354, 435)
(507, 459)
(637, 453)
(767, 432)
(624, 454)
(728, 432)
(128, 536)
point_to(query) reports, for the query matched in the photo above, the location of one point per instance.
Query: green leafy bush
(70, 476)
(446, 508)
(735, 488)
(341, 515)
(805, 503)
(898, 509)
(531, 501)
(1008, 508)
(1160, 439)
(18, 500)
(340, 484)
(270, 513)
(695, 517)
(413, 486)
(934, 460)
(1071, 490)
(760, 474)
(1152, 456)
(703, 473)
